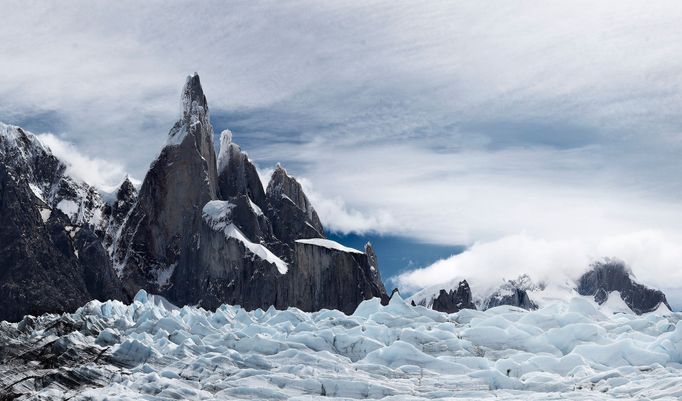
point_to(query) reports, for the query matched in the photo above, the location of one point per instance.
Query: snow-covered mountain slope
(153, 350)
(26, 156)
(51, 258)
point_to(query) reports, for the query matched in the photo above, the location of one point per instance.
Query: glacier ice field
(566, 350)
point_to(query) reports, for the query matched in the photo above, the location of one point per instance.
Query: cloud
(653, 256)
(380, 71)
(459, 197)
(101, 173)
(338, 217)
(448, 122)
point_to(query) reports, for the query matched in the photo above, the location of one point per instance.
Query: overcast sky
(511, 125)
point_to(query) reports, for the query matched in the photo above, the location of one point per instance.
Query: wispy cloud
(103, 174)
(451, 122)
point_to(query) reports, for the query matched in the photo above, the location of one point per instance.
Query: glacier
(153, 350)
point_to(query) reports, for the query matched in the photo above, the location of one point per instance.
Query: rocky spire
(283, 185)
(454, 301)
(161, 229)
(374, 266)
(236, 174)
(126, 191)
(193, 98)
(227, 150)
(293, 216)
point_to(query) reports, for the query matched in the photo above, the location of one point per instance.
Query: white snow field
(566, 350)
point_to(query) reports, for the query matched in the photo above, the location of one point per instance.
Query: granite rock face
(162, 229)
(326, 277)
(236, 173)
(98, 273)
(454, 301)
(612, 275)
(228, 267)
(291, 213)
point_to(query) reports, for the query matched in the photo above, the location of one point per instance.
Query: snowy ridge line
(329, 244)
(48, 176)
(217, 214)
(567, 350)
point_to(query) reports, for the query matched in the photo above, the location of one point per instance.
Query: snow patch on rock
(329, 244)
(45, 214)
(217, 214)
(69, 208)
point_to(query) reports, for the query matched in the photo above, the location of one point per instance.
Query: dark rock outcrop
(614, 275)
(454, 301)
(326, 277)
(117, 211)
(291, 213)
(236, 174)
(518, 297)
(40, 269)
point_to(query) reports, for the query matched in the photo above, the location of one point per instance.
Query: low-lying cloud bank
(653, 256)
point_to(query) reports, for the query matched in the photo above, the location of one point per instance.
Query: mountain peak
(227, 148)
(194, 119)
(225, 137)
(126, 189)
(193, 95)
(613, 275)
(280, 169)
(285, 193)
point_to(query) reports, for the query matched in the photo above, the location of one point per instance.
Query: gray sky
(554, 124)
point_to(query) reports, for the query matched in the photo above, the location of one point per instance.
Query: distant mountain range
(609, 283)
